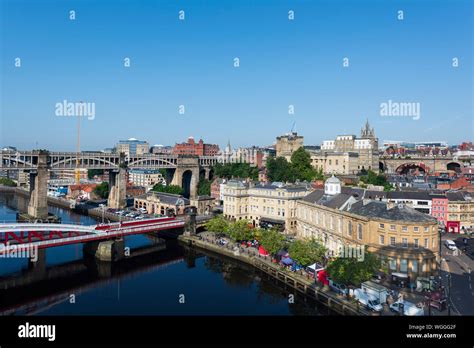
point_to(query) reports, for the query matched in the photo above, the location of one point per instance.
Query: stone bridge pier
(118, 185)
(117, 189)
(38, 205)
(186, 175)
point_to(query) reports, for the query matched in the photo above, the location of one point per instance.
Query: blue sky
(190, 62)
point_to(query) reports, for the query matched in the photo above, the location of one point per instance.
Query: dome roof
(333, 180)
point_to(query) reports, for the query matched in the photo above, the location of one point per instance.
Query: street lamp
(449, 293)
(103, 211)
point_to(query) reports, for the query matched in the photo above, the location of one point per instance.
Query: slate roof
(330, 201)
(398, 212)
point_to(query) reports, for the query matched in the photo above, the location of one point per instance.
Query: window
(405, 242)
(393, 241)
(427, 229)
(415, 242)
(349, 228)
(426, 243)
(392, 227)
(381, 226)
(416, 229)
(414, 266)
(359, 231)
(403, 265)
(381, 239)
(392, 264)
(404, 228)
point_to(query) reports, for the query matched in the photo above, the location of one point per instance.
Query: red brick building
(198, 149)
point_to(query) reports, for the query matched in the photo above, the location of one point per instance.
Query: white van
(408, 308)
(370, 301)
(450, 244)
(374, 289)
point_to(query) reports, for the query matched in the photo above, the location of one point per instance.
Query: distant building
(405, 238)
(355, 153)
(171, 204)
(217, 190)
(264, 205)
(145, 177)
(161, 150)
(132, 146)
(287, 144)
(460, 212)
(197, 149)
(253, 155)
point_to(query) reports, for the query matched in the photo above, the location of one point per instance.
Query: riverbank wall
(301, 284)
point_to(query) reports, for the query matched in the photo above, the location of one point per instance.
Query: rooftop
(399, 212)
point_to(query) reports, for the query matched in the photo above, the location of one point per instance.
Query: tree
(7, 182)
(218, 224)
(278, 169)
(102, 190)
(235, 170)
(204, 187)
(93, 172)
(352, 271)
(307, 252)
(376, 179)
(271, 240)
(301, 164)
(174, 189)
(240, 230)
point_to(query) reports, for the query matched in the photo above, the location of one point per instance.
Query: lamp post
(103, 211)
(449, 293)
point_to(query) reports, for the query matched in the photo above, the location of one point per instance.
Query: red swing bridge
(43, 235)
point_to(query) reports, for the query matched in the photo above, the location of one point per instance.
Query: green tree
(375, 179)
(7, 182)
(102, 190)
(278, 169)
(204, 187)
(352, 271)
(235, 170)
(301, 164)
(272, 240)
(174, 189)
(93, 172)
(307, 252)
(218, 225)
(240, 230)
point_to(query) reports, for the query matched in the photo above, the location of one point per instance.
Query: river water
(169, 281)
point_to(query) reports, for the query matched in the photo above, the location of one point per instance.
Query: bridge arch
(70, 162)
(186, 182)
(382, 167)
(412, 167)
(454, 166)
(142, 162)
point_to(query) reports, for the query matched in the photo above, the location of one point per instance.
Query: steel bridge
(41, 236)
(29, 160)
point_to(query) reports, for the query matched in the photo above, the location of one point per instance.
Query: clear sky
(190, 63)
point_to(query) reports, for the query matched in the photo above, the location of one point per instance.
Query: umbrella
(287, 261)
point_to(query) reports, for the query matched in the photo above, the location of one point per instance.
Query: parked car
(408, 308)
(450, 244)
(369, 301)
(338, 288)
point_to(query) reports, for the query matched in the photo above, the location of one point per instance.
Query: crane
(77, 171)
